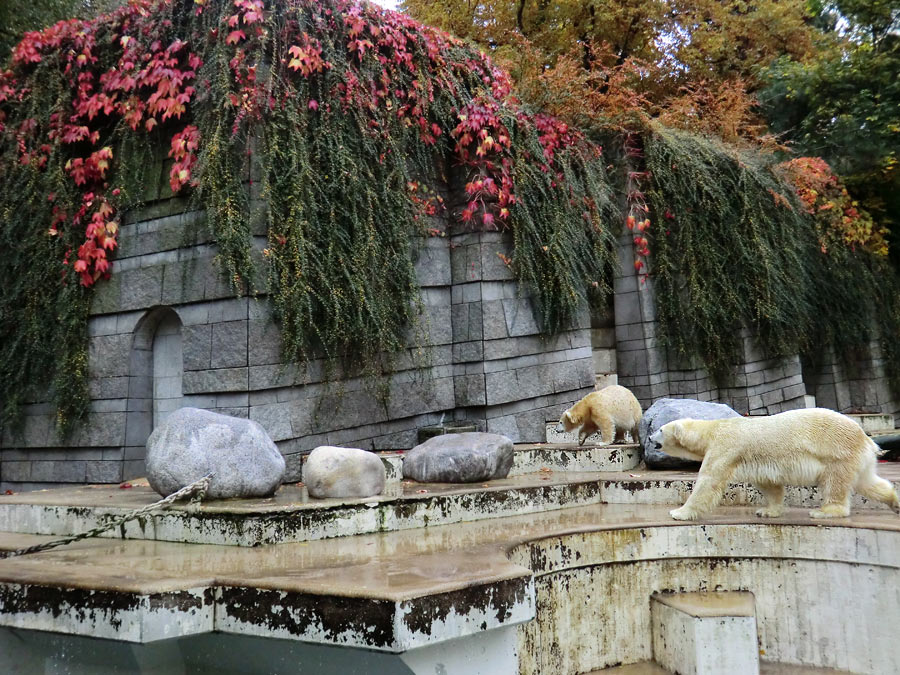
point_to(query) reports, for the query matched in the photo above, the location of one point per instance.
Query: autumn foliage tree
(741, 232)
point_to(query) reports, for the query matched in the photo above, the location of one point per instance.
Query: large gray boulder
(191, 443)
(667, 410)
(459, 458)
(343, 472)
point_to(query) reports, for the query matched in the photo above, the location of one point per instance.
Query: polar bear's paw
(830, 511)
(684, 514)
(770, 512)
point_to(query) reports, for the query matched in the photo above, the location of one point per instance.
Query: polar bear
(614, 410)
(813, 446)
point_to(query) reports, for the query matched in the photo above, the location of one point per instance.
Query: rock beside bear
(667, 410)
(613, 410)
(192, 442)
(333, 472)
(459, 458)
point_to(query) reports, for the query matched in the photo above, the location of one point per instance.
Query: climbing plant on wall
(738, 241)
(347, 108)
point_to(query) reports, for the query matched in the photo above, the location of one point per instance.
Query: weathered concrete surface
(291, 515)
(705, 633)
(821, 595)
(569, 457)
(765, 668)
(406, 590)
(873, 423)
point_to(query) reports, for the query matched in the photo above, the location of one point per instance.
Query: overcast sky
(390, 4)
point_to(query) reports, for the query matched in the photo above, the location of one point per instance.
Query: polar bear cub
(613, 410)
(813, 446)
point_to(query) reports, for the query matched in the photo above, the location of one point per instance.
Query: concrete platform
(407, 590)
(536, 457)
(291, 515)
(765, 668)
(644, 486)
(706, 633)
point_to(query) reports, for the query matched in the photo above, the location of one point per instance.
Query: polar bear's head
(680, 439)
(568, 421)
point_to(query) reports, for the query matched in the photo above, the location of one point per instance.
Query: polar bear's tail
(872, 486)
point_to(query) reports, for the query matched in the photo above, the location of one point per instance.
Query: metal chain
(197, 489)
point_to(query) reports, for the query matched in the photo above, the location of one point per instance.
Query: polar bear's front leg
(708, 489)
(587, 429)
(774, 495)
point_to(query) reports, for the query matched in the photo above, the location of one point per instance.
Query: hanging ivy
(348, 109)
(735, 244)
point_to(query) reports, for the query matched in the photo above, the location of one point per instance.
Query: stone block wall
(167, 330)
(508, 377)
(760, 383)
(856, 384)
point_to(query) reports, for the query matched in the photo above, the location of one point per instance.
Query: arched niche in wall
(154, 385)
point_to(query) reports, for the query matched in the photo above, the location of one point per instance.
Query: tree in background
(691, 41)
(733, 235)
(845, 105)
(18, 16)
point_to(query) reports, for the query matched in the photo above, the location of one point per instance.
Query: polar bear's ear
(568, 416)
(677, 430)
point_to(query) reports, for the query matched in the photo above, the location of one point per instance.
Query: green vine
(734, 247)
(331, 118)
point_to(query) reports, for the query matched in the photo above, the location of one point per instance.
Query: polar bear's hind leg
(835, 493)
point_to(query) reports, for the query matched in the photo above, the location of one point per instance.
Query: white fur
(800, 447)
(613, 410)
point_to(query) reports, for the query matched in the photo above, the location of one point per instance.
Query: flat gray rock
(335, 472)
(192, 442)
(667, 410)
(459, 458)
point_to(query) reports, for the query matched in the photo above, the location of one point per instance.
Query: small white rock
(335, 472)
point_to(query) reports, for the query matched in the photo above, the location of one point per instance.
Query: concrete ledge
(403, 591)
(554, 436)
(709, 604)
(291, 515)
(98, 613)
(530, 458)
(705, 633)
(646, 486)
(874, 423)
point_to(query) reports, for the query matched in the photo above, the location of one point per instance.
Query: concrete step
(541, 457)
(643, 486)
(554, 436)
(874, 423)
(291, 515)
(572, 457)
(765, 668)
(705, 633)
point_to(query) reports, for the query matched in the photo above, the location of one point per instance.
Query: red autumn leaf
(235, 36)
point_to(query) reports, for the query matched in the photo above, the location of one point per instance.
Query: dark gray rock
(191, 443)
(667, 410)
(335, 472)
(459, 458)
